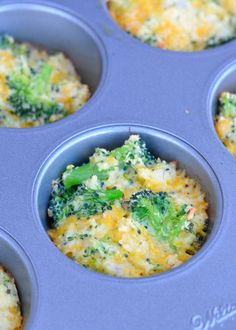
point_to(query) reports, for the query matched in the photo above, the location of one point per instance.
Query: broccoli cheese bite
(179, 25)
(36, 88)
(126, 213)
(225, 122)
(10, 313)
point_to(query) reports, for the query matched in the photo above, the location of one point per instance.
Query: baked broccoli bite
(10, 312)
(126, 213)
(179, 25)
(36, 88)
(225, 122)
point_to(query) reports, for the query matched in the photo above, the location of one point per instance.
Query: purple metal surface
(169, 98)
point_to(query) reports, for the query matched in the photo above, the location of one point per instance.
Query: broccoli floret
(133, 152)
(58, 202)
(80, 201)
(216, 41)
(227, 104)
(8, 42)
(2, 116)
(198, 242)
(158, 213)
(28, 93)
(73, 176)
(151, 40)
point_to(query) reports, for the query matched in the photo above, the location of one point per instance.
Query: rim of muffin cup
(14, 260)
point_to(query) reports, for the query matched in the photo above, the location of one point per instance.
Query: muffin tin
(168, 98)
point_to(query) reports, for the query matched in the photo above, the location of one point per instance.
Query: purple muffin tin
(168, 98)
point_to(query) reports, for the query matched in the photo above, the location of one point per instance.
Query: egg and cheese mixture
(179, 25)
(10, 313)
(36, 88)
(225, 122)
(126, 213)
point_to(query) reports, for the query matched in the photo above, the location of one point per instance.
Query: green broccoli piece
(2, 116)
(73, 176)
(216, 41)
(8, 42)
(151, 40)
(158, 213)
(133, 152)
(227, 104)
(27, 95)
(58, 204)
(80, 201)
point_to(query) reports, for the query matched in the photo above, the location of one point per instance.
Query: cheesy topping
(126, 213)
(179, 25)
(225, 122)
(36, 88)
(10, 313)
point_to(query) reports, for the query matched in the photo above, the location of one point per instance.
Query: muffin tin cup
(223, 81)
(165, 97)
(79, 148)
(58, 30)
(14, 259)
(112, 28)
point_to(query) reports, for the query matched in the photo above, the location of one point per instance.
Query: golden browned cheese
(180, 25)
(10, 312)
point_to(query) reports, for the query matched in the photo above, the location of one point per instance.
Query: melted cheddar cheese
(179, 25)
(10, 313)
(113, 242)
